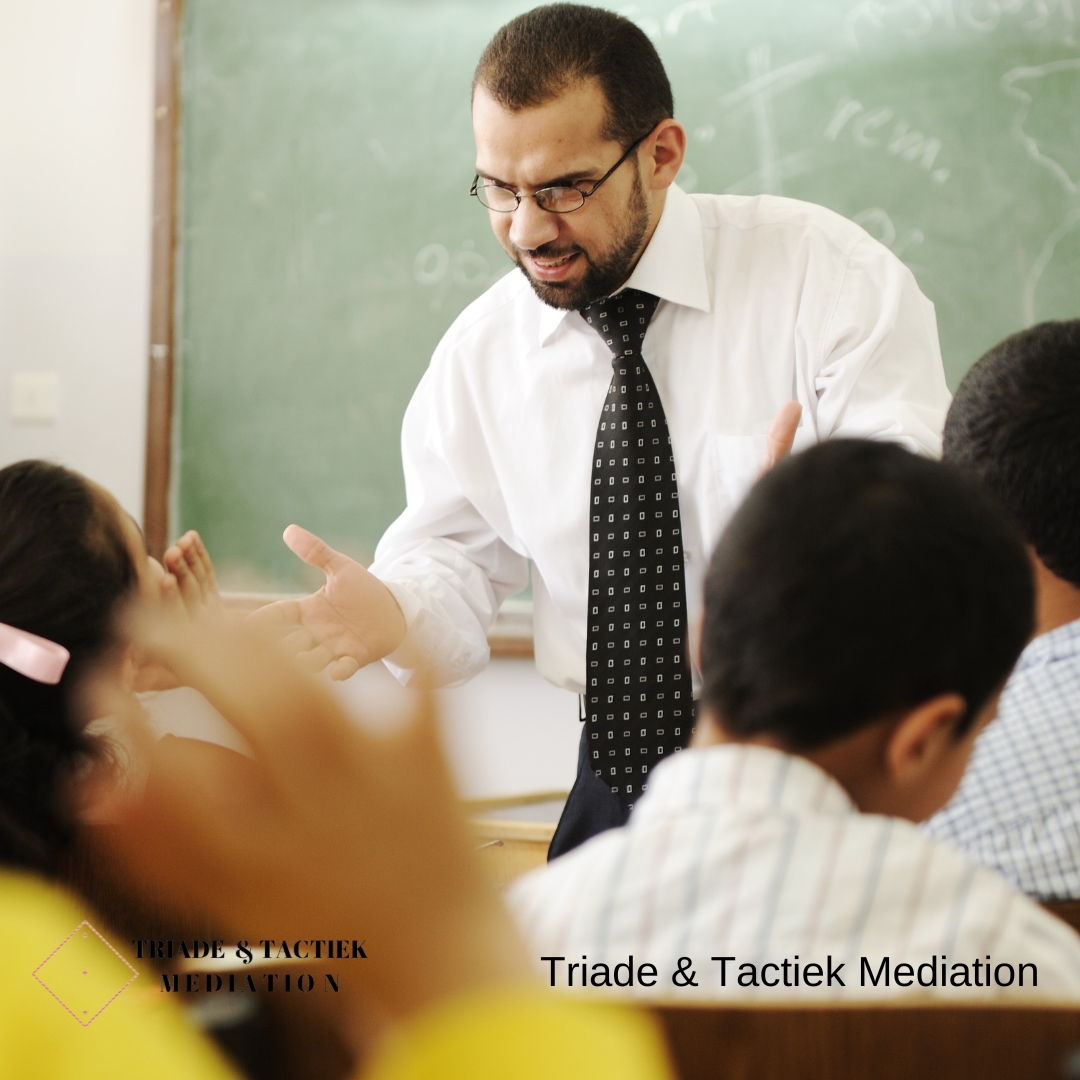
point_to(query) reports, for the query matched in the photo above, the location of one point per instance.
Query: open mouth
(552, 268)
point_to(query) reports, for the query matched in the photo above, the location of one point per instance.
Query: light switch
(33, 397)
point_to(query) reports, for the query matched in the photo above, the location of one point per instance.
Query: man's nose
(530, 226)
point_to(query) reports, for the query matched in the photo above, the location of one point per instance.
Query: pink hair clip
(35, 657)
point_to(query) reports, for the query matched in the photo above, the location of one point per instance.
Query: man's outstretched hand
(352, 621)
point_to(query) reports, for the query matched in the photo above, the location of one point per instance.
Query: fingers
(345, 667)
(169, 593)
(251, 682)
(189, 588)
(200, 561)
(315, 660)
(315, 552)
(189, 561)
(276, 616)
(781, 435)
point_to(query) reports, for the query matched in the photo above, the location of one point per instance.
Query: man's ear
(665, 150)
(921, 738)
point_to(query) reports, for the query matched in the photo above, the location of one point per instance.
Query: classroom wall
(507, 732)
(76, 104)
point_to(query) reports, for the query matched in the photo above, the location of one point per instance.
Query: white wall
(76, 118)
(507, 732)
(76, 105)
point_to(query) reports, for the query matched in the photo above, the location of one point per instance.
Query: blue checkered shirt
(1018, 807)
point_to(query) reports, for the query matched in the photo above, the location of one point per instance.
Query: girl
(69, 557)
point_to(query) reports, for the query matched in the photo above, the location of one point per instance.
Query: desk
(917, 1041)
(513, 835)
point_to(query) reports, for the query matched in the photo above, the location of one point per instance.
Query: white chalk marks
(766, 83)
(1023, 83)
(870, 129)
(1038, 267)
(672, 23)
(466, 268)
(1014, 83)
(880, 226)
(915, 18)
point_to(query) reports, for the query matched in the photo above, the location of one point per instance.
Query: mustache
(548, 251)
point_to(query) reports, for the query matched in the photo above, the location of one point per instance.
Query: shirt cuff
(450, 661)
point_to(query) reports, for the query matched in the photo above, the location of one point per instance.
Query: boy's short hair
(1015, 424)
(856, 581)
(542, 53)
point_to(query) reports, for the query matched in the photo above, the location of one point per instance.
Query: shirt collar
(738, 776)
(672, 266)
(1061, 643)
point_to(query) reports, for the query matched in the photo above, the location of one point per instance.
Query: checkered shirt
(1018, 807)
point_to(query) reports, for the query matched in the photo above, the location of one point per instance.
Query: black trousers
(590, 809)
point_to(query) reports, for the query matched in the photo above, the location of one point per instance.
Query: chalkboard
(326, 238)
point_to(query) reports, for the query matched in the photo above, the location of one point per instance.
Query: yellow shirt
(62, 1024)
(524, 1034)
(72, 1008)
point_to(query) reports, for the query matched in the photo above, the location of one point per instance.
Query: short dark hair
(64, 568)
(539, 55)
(1015, 424)
(855, 581)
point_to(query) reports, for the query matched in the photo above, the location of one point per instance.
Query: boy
(1015, 427)
(862, 611)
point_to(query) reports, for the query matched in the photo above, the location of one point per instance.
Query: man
(862, 611)
(1015, 425)
(608, 440)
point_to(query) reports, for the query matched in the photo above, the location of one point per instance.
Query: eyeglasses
(556, 200)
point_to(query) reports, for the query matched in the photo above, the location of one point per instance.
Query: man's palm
(350, 622)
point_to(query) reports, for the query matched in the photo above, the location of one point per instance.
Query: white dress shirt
(763, 300)
(1018, 807)
(747, 852)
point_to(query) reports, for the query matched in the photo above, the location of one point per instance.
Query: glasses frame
(518, 196)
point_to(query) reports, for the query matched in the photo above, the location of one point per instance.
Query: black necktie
(639, 700)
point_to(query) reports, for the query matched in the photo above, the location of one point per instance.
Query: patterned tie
(640, 699)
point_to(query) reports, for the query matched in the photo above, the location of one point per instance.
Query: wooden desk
(1066, 910)
(872, 1042)
(513, 835)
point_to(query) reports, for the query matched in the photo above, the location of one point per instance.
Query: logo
(85, 974)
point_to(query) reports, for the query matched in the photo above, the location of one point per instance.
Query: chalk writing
(868, 130)
(916, 18)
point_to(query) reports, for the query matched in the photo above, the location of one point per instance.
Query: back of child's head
(857, 581)
(64, 567)
(1015, 424)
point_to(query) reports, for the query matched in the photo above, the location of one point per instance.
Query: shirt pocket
(736, 460)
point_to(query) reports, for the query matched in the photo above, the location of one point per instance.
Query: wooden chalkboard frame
(512, 636)
(160, 382)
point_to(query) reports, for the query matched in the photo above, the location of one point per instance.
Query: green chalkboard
(327, 240)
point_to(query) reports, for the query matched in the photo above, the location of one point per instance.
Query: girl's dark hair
(64, 567)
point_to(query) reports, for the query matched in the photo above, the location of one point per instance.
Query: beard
(604, 273)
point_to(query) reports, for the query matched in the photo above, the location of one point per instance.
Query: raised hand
(327, 831)
(781, 435)
(352, 621)
(189, 563)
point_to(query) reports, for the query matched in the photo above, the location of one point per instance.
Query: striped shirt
(1018, 807)
(756, 855)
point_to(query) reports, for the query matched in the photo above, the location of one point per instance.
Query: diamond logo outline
(134, 974)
